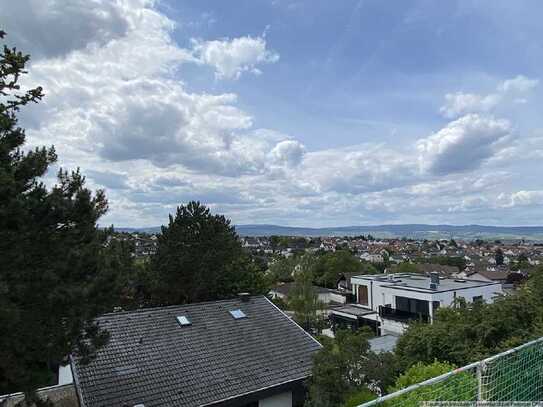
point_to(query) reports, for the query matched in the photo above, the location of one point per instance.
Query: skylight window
(237, 314)
(183, 320)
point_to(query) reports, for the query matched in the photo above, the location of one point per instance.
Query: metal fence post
(481, 367)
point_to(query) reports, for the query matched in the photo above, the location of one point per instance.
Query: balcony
(401, 315)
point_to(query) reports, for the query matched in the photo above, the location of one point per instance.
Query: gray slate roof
(151, 359)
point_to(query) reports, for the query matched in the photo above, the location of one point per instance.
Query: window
(412, 305)
(363, 294)
(183, 320)
(478, 299)
(237, 314)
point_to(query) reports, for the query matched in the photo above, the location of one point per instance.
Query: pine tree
(199, 258)
(51, 282)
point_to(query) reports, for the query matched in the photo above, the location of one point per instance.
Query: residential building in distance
(324, 295)
(243, 352)
(388, 302)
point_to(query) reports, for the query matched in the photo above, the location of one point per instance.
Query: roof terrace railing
(401, 315)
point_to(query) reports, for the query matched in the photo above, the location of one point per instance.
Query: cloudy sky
(308, 113)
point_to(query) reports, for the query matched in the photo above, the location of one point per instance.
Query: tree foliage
(200, 258)
(282, 268)
(303, 299)
(498, 257)
(461, 387)
(346, 367)
(454, 261)
(420, 372)
(52, 279)
(331, 265)
(359, 397)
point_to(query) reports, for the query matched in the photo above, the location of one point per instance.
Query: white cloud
(232, 57)
(463, 144)
(288, 152)
(122, 102)
(509, 91)
(115, 105)
(459, 103)
(521, 198)
(357, 169)
(520, 84)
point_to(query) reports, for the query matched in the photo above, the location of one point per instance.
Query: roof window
(183, 320)
(237, 314)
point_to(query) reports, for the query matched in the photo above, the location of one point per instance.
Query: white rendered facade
(394, 299)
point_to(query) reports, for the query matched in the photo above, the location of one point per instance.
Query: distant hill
(152, 229)
(416, 231)
(419, 231)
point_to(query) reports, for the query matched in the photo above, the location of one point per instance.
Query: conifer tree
(51, 282)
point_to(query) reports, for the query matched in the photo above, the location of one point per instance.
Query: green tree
(52, 279)
(274, 242)
(470, 332)
(498, 256)
(330, 266)
(282, 268)
(303, 299)
(345, 368)
(359, 397)
(125, 274)
(460, 387)
(455, 261)
(420, 372)
(200, 258)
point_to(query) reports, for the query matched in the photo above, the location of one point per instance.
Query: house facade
(388, 302)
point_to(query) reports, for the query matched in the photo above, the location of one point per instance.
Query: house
(485, 275)
(324, 295)
(372, 257)
(240, 352)
(388, 302)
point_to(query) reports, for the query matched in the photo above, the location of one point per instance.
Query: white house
(372, 258)
(387, 302)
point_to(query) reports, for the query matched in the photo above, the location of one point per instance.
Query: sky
(302, 113)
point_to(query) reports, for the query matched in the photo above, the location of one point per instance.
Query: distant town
(465, 257)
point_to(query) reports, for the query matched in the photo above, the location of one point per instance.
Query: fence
(514, 377)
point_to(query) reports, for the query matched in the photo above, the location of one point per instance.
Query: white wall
(388, 326)
(379, 294)
(279, 400)
(338, 298)
(65, 375)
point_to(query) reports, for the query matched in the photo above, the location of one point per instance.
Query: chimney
(434, 278)
(244, 297)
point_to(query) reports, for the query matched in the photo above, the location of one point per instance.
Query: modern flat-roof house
(387, 302)
(241, 352)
